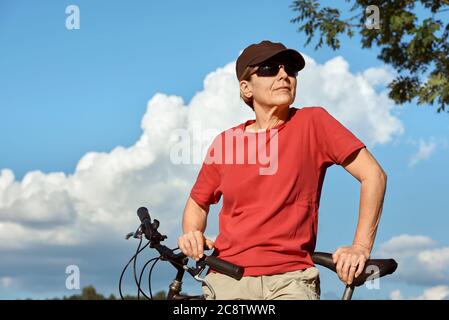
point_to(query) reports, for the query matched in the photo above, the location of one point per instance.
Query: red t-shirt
(268, 222)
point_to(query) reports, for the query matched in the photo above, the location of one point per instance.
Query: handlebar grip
(225, 267)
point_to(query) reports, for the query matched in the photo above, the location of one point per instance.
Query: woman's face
(278, 90)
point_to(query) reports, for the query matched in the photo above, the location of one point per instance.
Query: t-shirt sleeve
(206, 190)
(335, 141)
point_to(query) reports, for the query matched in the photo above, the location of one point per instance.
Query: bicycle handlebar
(149, 228)
(225, 267)
(374, 268)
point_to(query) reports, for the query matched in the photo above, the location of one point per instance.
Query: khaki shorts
(294, 285)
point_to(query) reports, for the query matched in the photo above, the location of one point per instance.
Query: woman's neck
(267, 118)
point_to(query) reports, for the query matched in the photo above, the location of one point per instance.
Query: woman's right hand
(192, 244)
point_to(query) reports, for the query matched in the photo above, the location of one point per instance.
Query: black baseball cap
(264, 50)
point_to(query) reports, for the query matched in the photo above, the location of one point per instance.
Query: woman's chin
(283, 101)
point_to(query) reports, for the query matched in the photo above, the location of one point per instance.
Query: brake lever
(195, 272)
(129, 235)
(136, 235)
(203, 280)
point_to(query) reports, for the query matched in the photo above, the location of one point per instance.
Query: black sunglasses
(271, 69)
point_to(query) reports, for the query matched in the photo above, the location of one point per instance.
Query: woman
(268, 222)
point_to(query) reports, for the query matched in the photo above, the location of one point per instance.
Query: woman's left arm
(364, 167)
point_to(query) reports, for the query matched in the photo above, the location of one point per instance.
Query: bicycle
(148, 228)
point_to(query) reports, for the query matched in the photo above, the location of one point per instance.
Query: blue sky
(65, 93)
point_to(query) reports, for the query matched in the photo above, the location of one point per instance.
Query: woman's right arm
(194, 223)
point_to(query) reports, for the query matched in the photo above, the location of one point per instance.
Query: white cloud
(7, 282)
(100, 197)
(351, 98)
(420, 261)
(426, 148)
(406, 244)
(396, 295)
(378, 76)
(436, 258)
(434, 293)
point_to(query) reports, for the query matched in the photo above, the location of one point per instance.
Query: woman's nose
(282, 72)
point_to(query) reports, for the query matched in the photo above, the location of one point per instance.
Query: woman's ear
(246, 89)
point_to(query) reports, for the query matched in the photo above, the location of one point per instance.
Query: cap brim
(294, 55)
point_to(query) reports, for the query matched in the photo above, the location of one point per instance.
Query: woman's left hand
(350, 262)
